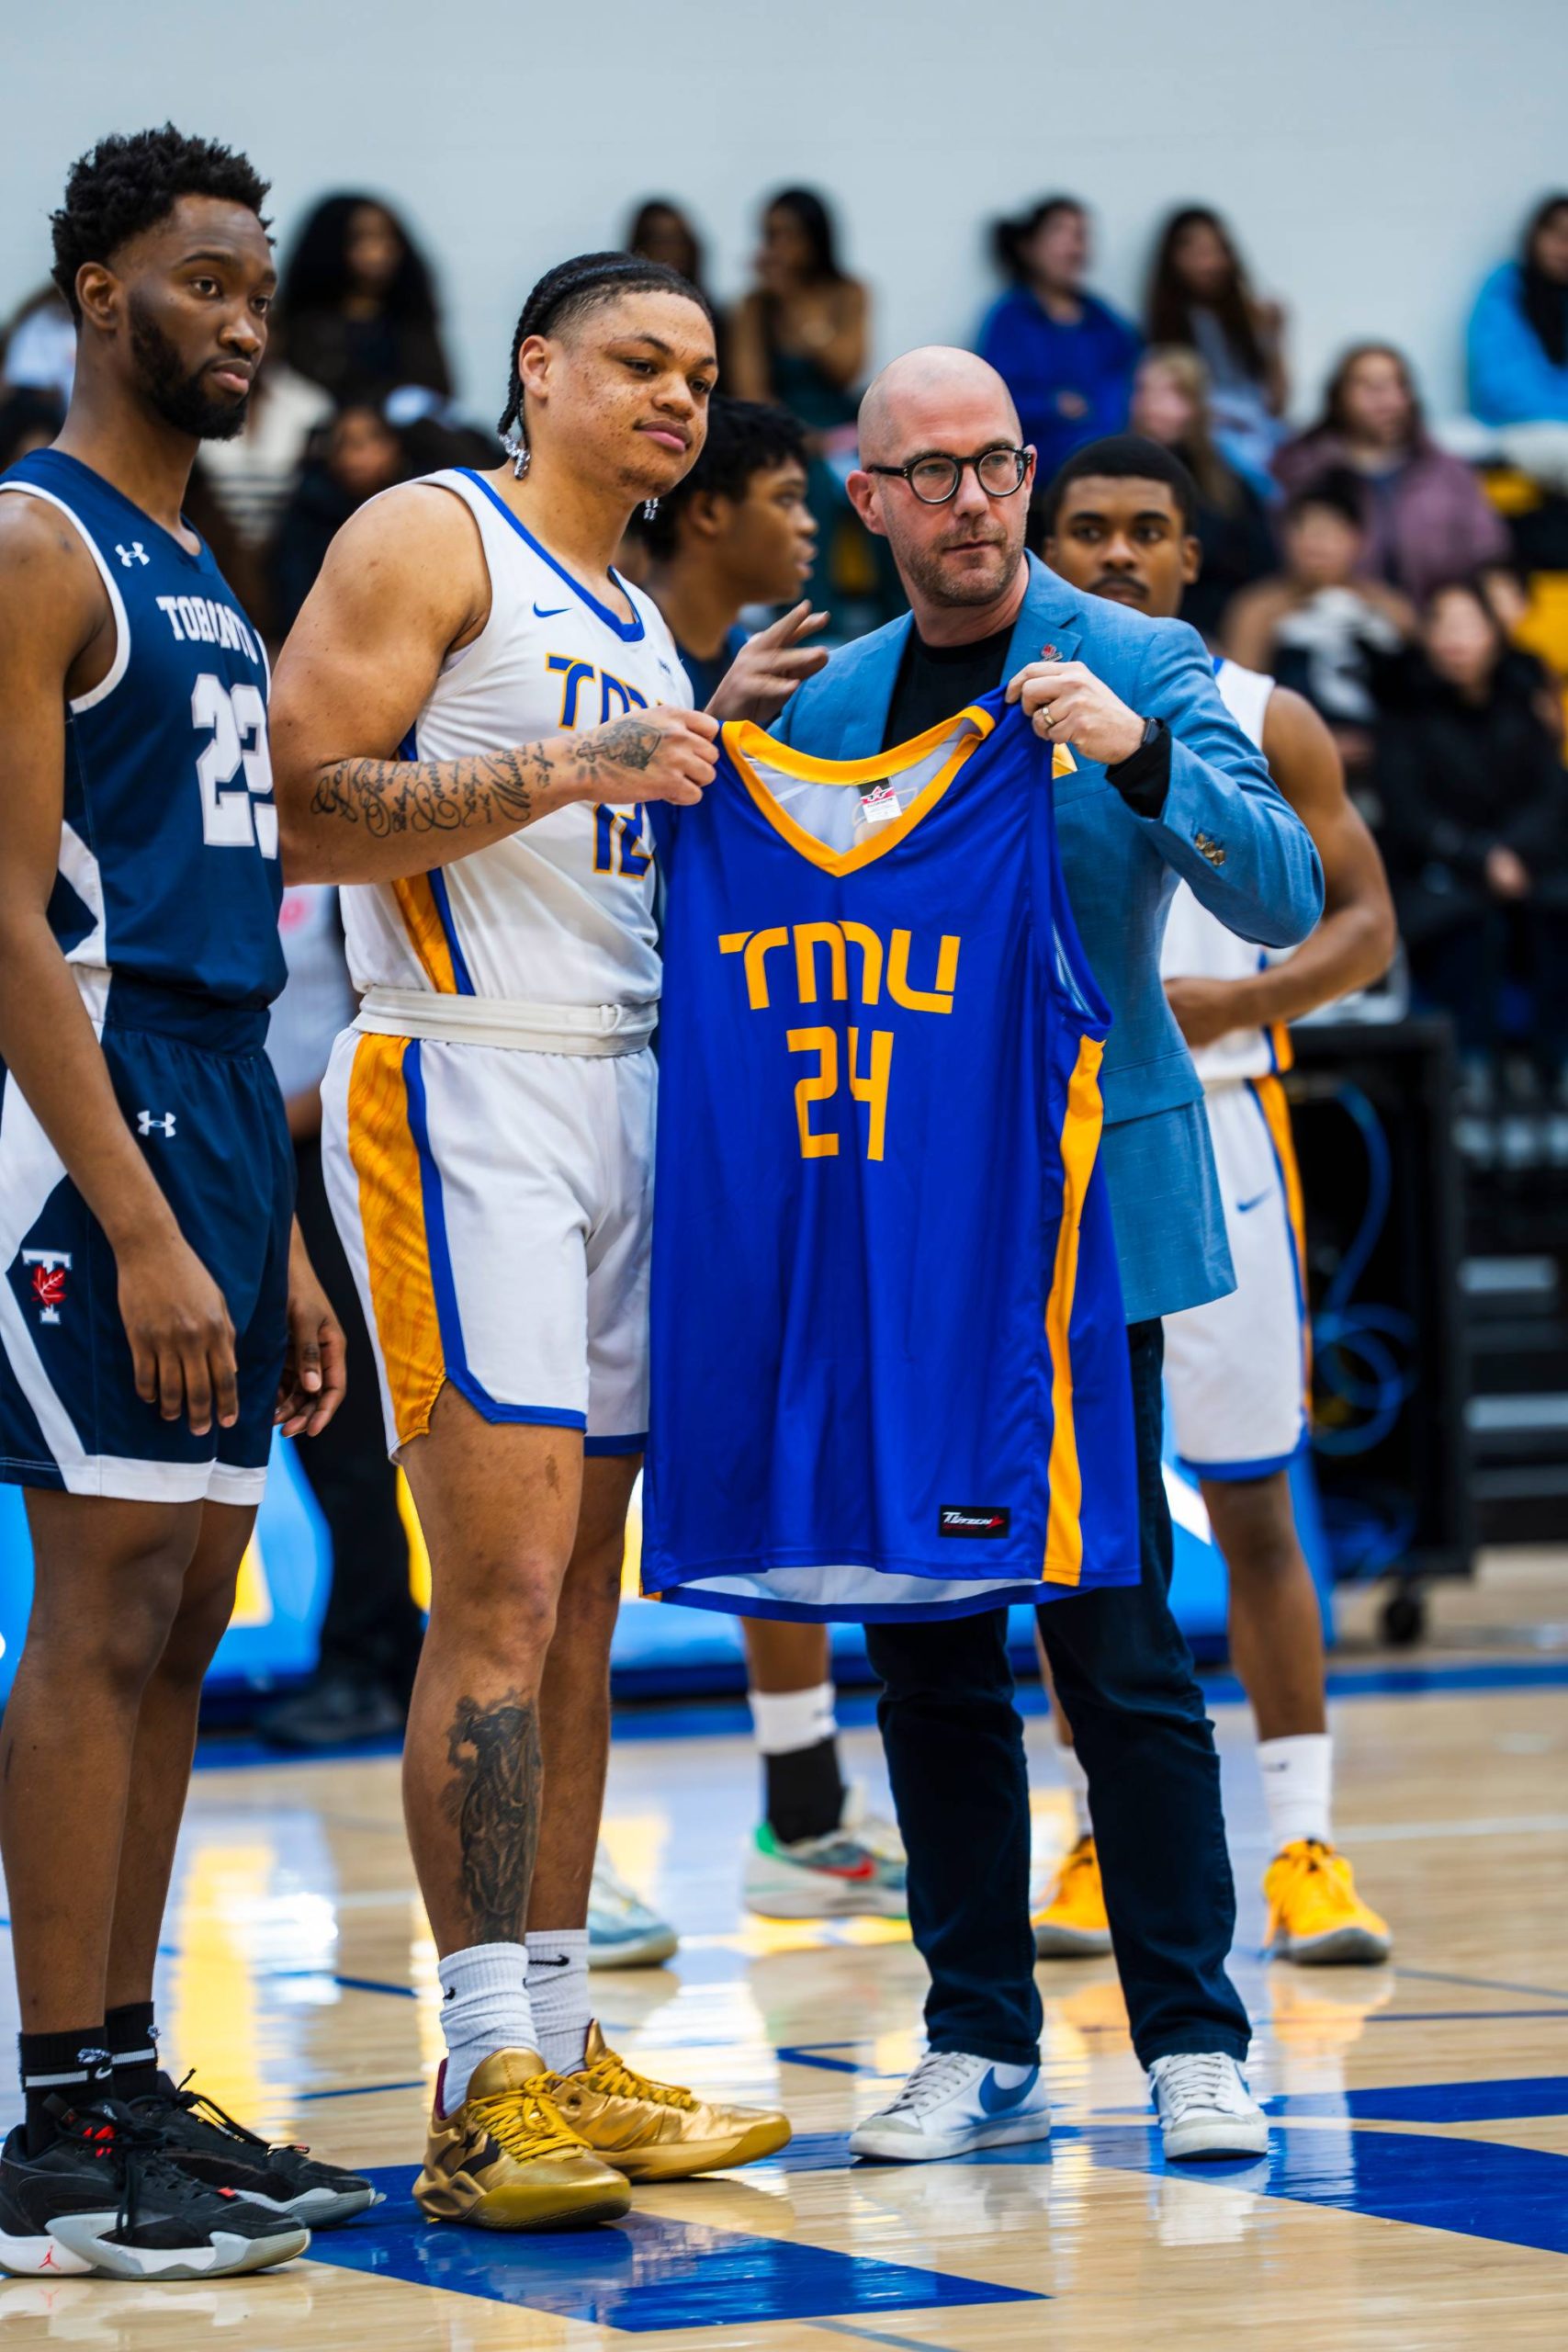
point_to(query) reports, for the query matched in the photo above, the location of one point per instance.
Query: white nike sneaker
(952, 2103)
(1205, 2107)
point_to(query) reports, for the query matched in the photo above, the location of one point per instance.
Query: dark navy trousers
(954, 1746)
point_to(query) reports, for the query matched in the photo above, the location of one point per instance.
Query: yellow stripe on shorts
(1276, 1110)
(385, 1159)
(1080, 1145)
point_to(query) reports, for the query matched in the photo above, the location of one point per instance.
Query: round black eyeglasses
(935, 479)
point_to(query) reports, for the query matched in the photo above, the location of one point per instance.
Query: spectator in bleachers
(1518, 348)
(1320, 625)
(661, 231)
(1066, 357)
(800, 339)
(28, 420)
(253, 476)
(356, 307)
(360, 456)
(1474, 828)
(1425, 516)
(1170, 405)
(38, 346)
(1199, 295)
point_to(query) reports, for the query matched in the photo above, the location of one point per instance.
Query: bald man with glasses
(1167, 787)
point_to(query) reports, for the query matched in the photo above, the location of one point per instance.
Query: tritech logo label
(976, 1522)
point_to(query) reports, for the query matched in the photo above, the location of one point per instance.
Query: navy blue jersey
(168, 853)
(889, 1359)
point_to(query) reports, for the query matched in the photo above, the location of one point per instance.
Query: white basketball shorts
(496, 1206)
(1236, 1370)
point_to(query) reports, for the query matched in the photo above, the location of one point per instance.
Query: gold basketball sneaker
(655, 2131)
(505, 2160)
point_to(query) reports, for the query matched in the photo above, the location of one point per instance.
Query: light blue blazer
(1225, 829)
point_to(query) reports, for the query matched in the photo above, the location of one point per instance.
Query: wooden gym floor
(1416, 2194)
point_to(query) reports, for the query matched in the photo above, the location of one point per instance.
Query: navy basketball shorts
(199, 1094)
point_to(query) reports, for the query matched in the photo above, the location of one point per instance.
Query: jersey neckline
(744, 741)
(629, 632)
(201, 561)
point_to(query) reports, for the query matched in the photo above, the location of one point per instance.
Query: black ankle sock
(69, 2067)
(133, 2046)
(802, 1793)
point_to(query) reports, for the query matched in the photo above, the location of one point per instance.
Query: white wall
(1375, 155)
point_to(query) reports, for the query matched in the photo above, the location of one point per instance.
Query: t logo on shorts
(49, 1268)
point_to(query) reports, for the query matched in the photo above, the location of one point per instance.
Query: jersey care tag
(979, 1523)
(880, 804)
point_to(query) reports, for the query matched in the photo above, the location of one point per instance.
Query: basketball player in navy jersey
(158, 1313)
(1119, 517)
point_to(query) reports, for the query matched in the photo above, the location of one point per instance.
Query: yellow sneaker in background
(1315, 1917)
(1071, 1923)
(505, 2160)
(656, 2131)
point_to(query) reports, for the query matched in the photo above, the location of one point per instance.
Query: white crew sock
(484, 2008)
(1298, 1774)
(1076, 1780)
(787, 1720)
(558, 1992)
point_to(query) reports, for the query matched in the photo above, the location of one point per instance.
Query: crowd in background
(1416, 595)
(1414, 588)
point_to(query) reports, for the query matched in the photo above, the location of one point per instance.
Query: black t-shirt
(934, 682)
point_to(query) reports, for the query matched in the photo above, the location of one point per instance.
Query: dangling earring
(517, 449)
(649, 509)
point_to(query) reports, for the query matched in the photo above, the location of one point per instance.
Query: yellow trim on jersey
(384, 1157)
(1281, 1045)
(422, 919)
(1276, 1110)
(744, 736)
(1080, 1145)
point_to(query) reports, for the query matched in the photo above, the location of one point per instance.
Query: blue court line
(1457, 2016)
(643, 2275)
(876, 2335)
(1475, 2188)
(360, 2090)
(806, 2054)
(1482, 1983)
(1509, 2101)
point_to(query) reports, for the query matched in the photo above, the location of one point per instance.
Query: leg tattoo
(494, 1804)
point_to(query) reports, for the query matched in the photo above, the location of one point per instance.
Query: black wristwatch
(1143, 778)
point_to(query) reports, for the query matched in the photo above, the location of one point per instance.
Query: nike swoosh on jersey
(1257, 1200)
(548, 612)
(995, 2100)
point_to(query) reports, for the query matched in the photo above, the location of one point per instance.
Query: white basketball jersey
(561, 913)
(1197, 944)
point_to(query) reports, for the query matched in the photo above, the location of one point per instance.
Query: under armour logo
(134, 553)
(49, 1270)
(145, 1123)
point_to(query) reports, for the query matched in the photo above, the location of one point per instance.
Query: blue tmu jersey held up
(169, 873)
(890, 1371)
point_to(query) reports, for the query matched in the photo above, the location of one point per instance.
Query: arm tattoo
(494, 1804)
(630, 744)
(434, 796)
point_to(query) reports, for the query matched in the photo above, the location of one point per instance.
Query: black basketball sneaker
(105, 2197)
(212, 2149)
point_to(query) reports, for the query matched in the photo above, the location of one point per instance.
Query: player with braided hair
(470, 715)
